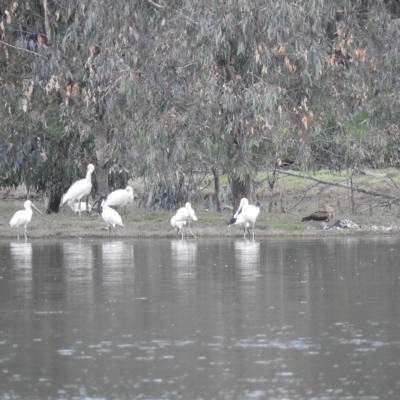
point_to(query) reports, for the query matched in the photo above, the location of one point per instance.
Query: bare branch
(21, 48)
(155, 4)
(357, 189)
(190, 20)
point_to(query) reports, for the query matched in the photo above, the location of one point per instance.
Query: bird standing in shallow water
(183, 217)
(109, 215)
(80, 189)
(177, 225)
(246, 214)
(323, 216)
(23, 217)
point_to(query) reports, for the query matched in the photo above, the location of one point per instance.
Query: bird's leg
(191, 230)
(245, 228)
(184, 230)
(25, 234)
(253, 230)
(79, 203)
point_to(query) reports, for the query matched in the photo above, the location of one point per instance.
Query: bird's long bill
(99, 201)
(258, 204)
(239, 210)
(36, 208)
(232, 221)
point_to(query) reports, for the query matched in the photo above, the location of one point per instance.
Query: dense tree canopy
(161, 89)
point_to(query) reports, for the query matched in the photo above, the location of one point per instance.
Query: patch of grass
(290, 190)
(141, 214)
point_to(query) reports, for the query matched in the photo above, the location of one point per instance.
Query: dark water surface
(200, 319)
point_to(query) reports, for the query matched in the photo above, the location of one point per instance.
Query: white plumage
(23, 217)
(120, 198)
(80, 189)
(246, 214)
(110, 216)
(183, 217)
(177, 225)
(74, 205)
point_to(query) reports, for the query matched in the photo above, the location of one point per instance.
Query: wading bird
(109, 215)
(323, 216)
(177, 225)
(80, 189)
(183, 217)
(120, 198)
(23, 217)
(246, 214)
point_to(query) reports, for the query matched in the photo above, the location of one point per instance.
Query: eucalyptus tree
(312, 80)
(34, 148)
(168, 87)
(66, 59)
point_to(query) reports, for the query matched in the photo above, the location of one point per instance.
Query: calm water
(200, 319)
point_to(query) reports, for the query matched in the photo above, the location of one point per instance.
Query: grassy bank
(297, 197)
(140, 223)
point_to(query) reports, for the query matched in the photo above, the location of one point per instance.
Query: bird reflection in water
(21, 254)
(78, 255)
(117, 253)
(117, 266)
(247, 257)
(184, 255)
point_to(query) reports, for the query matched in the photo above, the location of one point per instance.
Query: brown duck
(323, 216)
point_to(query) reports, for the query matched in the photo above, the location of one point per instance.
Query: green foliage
(163, 90)
(46, 161)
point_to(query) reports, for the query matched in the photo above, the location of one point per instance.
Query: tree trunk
(240, 189)
(217, 189)
(271, 182)
(53, 206)
(352, 205)
(150, 196)
(121, 181)
(181, 199)
(47, 23)
(102, 179)
(101, 155)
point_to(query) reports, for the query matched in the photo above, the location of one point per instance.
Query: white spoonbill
(109, 215)
(246, 214)
(23, 217)
(177, 225)
(80, 189)
(120, 198)
(74, 205)
(183, 217)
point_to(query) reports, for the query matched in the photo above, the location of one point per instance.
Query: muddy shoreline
(92, 226)
(142, 223)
